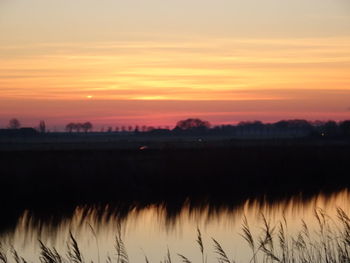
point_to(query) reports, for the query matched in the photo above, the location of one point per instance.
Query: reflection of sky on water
(150, 232)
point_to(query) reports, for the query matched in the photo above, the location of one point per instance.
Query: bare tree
(70, 127)
(78, 126)
(42, 127)
(87, 126)
(14, 124)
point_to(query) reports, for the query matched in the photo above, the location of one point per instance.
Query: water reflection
(151, 229)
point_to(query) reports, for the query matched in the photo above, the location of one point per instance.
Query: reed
(3, 257)
(329, 244)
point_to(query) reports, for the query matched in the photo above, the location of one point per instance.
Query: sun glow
(293, 55)
(210, 71)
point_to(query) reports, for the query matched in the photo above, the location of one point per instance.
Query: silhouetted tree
(42, 127)
(192, 124)
(70, 127)
(87, 126)
(14, 124)
(78, 126)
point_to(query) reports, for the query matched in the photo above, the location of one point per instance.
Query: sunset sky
(153, 62)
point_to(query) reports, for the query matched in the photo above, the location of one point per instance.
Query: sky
(154, 62)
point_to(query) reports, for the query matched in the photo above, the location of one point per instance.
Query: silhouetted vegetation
(280, 129)
(86, 126)
(42, 127)
(14, 124)
(248, 129)
(192, 124)
(275, 244)
(287, 129)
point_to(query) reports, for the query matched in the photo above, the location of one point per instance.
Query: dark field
(222, 173)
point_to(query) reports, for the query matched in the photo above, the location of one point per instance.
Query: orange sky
(151, 62)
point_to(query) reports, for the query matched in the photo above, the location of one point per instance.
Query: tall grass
(330, 243)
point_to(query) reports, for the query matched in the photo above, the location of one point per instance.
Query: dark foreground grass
(330, 243)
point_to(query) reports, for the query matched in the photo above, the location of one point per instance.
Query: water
(151, 231)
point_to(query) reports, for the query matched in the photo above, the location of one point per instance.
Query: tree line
(86, 127)
(195, 125)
